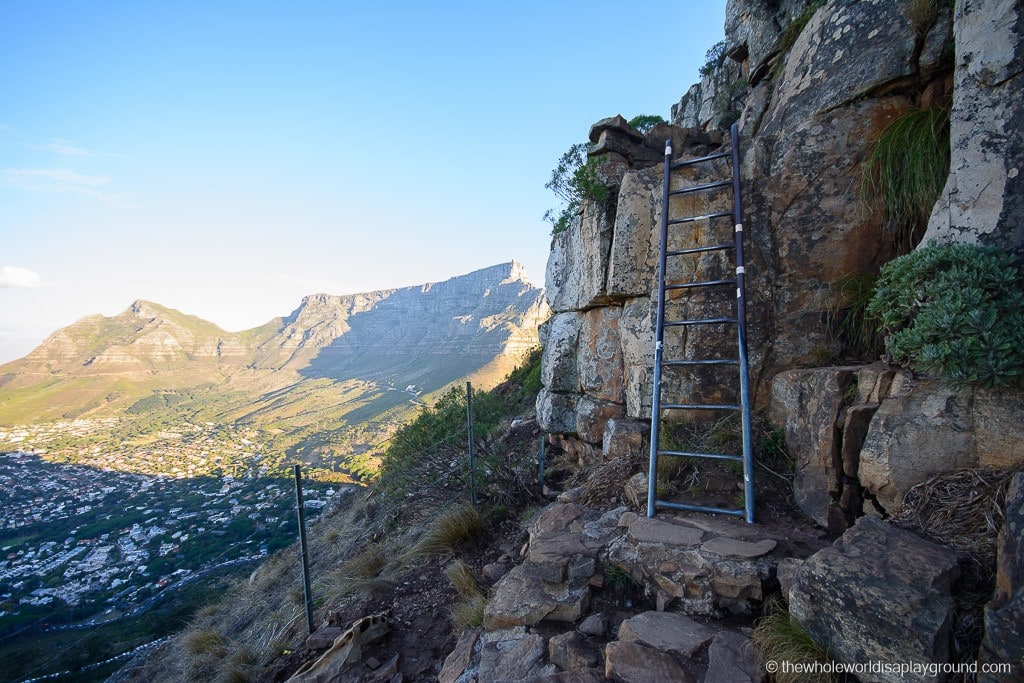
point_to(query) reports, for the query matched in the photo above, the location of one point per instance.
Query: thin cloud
(12, 277)
(69, 149)
(62, 180)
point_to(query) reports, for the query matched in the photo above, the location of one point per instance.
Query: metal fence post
(307, 589)
(472, 445)
(540, 465)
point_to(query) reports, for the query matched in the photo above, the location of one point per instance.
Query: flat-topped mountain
(335, 360)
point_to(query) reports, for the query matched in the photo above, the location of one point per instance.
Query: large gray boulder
(983, 201)
(878, 594)
(931, 429)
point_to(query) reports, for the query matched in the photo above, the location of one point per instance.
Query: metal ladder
(743, 407)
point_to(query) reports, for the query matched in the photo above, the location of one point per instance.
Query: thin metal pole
(652, 472)
(741, 317)
(472, 446)
(307, 589)
(540, 465)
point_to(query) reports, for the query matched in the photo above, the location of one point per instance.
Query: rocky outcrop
(1004, 614)
(983, 201)
(539, 624)
(879, 594)
(698, 565)
(862, 436)
(826, 80)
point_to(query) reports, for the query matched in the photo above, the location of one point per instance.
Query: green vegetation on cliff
(955, 311)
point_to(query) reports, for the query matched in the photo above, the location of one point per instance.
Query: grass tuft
(469, 612)
(206, 642)
(847, 316)
(451, 528)
(906, 170)
(462, 579)
(779, 638)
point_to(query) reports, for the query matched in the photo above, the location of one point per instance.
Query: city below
(91, 533)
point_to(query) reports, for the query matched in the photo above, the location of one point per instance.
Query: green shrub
(906, 170)
(793, 31)
(644, 122)
(574, 180)
(713, 58)
(955, 311)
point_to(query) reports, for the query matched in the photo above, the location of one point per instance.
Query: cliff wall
(814, 84)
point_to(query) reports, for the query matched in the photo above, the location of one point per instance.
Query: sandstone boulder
(519, 599)
(732, 659)
(600, 354)
(556, 413)
(878, 594)
(667, 632)
(635, 663)
(558, 366)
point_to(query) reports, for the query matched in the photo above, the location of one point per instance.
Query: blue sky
(227, 158)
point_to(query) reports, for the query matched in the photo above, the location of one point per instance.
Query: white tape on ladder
(739, 227)
(668, 149)
(740, 270)
(738, 295)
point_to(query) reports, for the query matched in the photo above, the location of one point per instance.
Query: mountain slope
(333, 363)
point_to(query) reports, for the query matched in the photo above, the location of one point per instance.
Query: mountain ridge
(294, 367)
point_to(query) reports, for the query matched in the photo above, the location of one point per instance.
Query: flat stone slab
(732, 659)
(650, 530)
(323, 637)
(557, 518)
(635, 663)
(736, 549)
(523, 600)
(666, 631)
(460, 659)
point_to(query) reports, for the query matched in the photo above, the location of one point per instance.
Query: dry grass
(779, 638)
(921, 14)
(468, 611)
(462, 579)
(962, 509)
(451, 528)
(206, 642)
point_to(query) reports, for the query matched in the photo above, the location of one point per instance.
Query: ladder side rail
(741, 327)
(652, 471)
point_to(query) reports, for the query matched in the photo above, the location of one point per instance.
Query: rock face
(816, 86)
(878, 594)
(983, 201)
(1004, 615)
(863, 436)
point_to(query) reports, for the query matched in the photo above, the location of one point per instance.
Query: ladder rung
(695, 454)
(698, 508)
(697, 160)
(701, 321)
(698, 250)
(690, 219)
(699, 406)
(709, 361)
(699, 188)
(705, 283)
